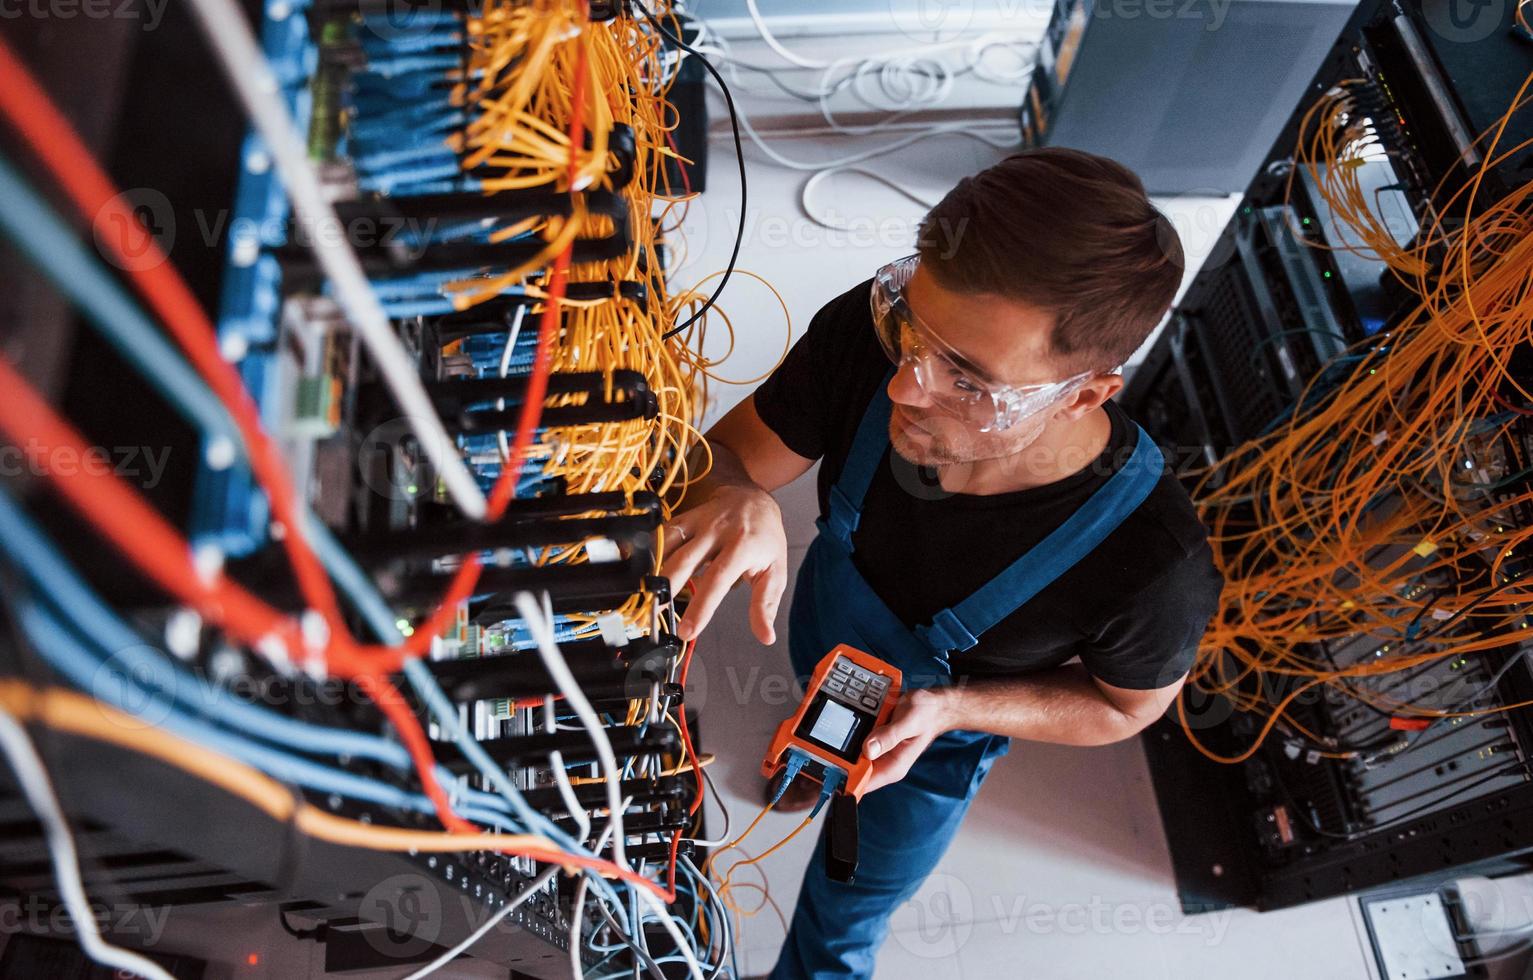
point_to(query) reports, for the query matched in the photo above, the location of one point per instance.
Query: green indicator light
(1326, 274)
(412, 488)
(1306, 221)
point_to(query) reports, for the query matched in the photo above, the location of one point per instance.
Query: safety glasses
(955, 385)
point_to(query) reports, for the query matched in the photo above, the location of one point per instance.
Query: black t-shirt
(1133, 609)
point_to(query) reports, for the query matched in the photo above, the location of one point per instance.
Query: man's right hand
(737, 533)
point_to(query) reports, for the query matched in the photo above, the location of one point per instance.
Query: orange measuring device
(850, 694)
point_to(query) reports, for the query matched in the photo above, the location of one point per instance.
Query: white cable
(669, 924)
(962, 129)
(542, 632)
(724, 837)
(825, 168)
(505, 368)
(562, 778)
(577, 912)
(807, 191)
(500, 914)
(251, 76)
(908, 78)
(727, 946)
(772, 42)
(1017, 76)
(33, 778)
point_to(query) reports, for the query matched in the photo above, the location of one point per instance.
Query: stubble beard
(947, 442)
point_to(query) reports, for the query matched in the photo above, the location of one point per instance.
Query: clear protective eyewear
(947, 377)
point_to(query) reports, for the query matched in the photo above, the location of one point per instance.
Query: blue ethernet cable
(363, 594)
(65, 651)
(357, 587)
(722, 917)
(55, 250)
(52, 576)
(44, 237)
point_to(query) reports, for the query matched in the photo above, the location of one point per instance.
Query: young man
(988, 515)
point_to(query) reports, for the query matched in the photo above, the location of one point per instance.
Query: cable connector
(834, 781)
(794, 766)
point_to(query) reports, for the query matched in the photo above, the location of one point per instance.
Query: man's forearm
(726, 471)
(1062, 705)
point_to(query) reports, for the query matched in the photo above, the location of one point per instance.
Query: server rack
(1268, 328)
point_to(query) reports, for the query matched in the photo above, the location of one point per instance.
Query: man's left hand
(919, 716)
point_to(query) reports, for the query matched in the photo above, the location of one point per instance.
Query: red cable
(55, 142)
(1496, 396)
(686, 735)
(686, 179)
(697, 769)
(52, 138)
(548, 325)
(147, 540)
(387, 697)
(133, 527)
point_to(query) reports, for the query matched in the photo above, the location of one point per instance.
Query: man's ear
(1090, 395)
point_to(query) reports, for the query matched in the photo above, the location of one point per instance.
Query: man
(988, 515)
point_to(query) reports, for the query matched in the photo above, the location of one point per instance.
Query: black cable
(734, 127)
(314, 933)
(1409, 633)
(1467, 609)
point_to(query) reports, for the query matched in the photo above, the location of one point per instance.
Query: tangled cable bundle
(566, 118)
(1385, 506)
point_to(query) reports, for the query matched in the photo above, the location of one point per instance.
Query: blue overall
(905, 827)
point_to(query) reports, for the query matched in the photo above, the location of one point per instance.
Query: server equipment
(1345, 388)
(343, 600)
(1186, 93)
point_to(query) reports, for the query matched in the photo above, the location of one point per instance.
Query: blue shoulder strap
(857, 471)
(959, 627)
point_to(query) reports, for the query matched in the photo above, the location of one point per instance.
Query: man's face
(1007, 338)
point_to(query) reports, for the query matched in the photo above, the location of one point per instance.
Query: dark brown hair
(1068, 231)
